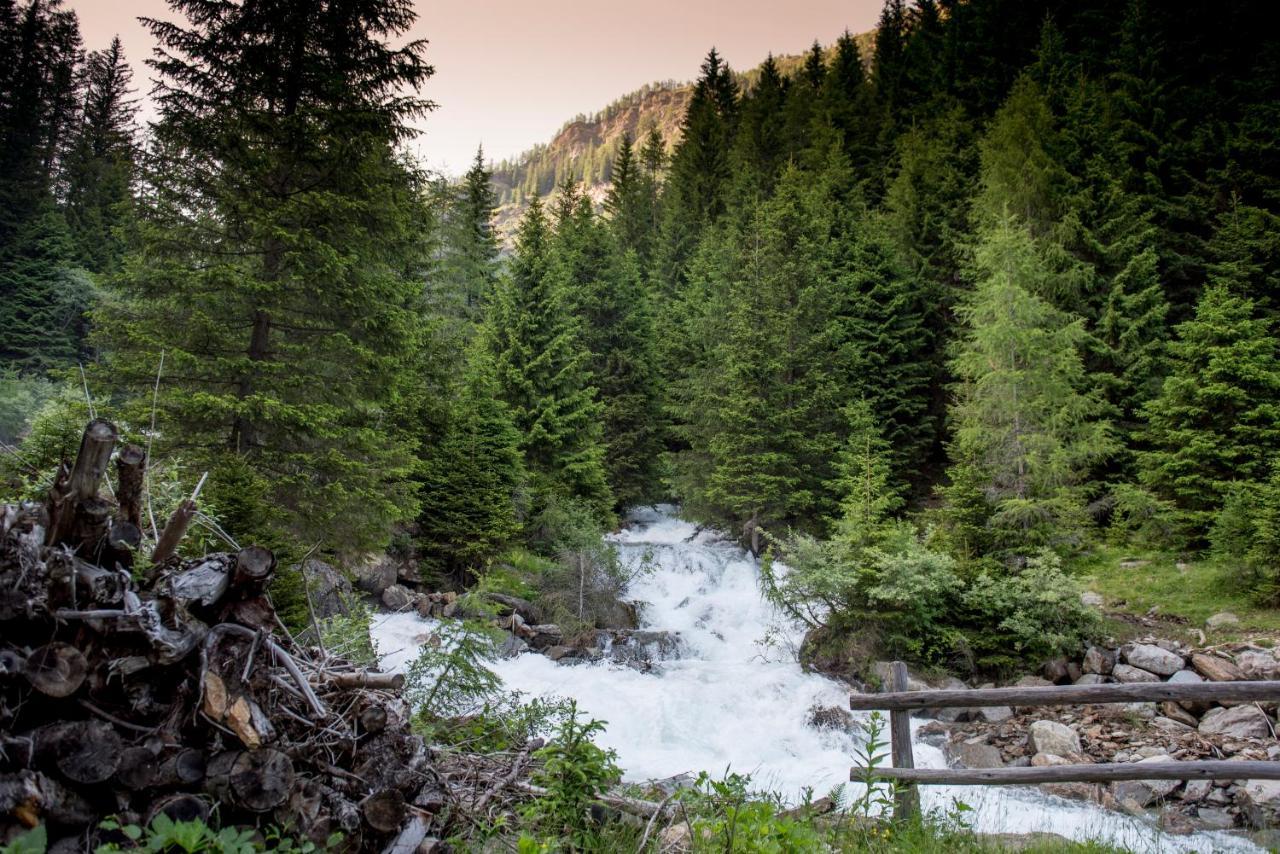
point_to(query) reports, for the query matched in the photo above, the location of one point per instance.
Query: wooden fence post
(907, 797)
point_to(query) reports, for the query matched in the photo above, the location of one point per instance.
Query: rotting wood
(131, 470)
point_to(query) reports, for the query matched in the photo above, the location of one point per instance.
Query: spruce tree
(472, 479)
(544, 373)
(468, 267)
(99, 171)
(1023, 415)
(1217, 417)
(604, 290)
(291, 357)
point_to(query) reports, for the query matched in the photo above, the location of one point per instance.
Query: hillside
(584, 148)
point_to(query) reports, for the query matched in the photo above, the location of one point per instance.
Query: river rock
(973, 753)
(1258, 664)
(1197, 790)
(992, 714)
(1216, 669)
(1099, 660)
(1260, 802)
(1143, 793)
(512, 646)
(397, 597)
(1176, 824)
(561, 652)
(544, 636)
(638, 648)
(1171, 725)
(1236, 722)
(831, 718)
(1129, 674)
(1215, 818)
(375, 574)
(1153, 659)
(1055, 670)
(1055, 738)
(1032, 682)
(933, 733)
(1176, 712)
(1186, 677)
(1222, 620)
(1091, 679)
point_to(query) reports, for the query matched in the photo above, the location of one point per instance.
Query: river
(734, 697)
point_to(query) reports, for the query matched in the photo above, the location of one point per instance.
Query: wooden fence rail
(899, 702)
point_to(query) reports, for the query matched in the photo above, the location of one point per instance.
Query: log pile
(129, 692)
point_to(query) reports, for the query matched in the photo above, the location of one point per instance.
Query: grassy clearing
(1191, 590)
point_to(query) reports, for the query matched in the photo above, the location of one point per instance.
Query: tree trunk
(131, 469)
(174, 530)
(257, 780)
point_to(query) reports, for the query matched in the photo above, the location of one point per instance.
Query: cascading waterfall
(734, 698)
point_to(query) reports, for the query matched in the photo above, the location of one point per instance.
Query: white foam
(737, 700)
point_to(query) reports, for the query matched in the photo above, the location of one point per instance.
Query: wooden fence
(899, 702)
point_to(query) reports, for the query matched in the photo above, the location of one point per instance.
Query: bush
(1032, 614)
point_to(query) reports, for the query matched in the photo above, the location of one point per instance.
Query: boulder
(1090, 599)
(973, 753)
(1236, 722)
(375, 574)
(1128, 673)
(329, 590)
(991, 714)
(1186, 677)
(1176, 712)
(1055, 738)
(1153, 659)
(639, 647)
(1176, 823)
(1216, 669)
(1143, 793)
(1099, 660)
(1197, 790)
(561, 652)
(1055, 670)
(831, 718)
(1258, 664)
(1259, 800)
(1091, 679)
(397, 598)
(544, 636)
(1215, 818)
(933, 733)
(1222, 620)
(511, 647)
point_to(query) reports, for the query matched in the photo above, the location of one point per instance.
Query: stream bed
(732, 697)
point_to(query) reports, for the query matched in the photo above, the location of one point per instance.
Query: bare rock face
(1153, 659)
(1054, 738)
(1128, 673)
(1216, 669)
(375, 574)
(329, 589)
(1236, 722)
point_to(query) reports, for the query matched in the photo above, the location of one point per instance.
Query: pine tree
(294, 354)
(472, 478)
(866, 482)
(1023, 414)
(1217, 418)
(100, 167)
(761, 145)
(544, 373)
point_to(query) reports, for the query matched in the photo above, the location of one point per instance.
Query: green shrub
(1026, 615)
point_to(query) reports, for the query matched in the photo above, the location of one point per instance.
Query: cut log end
(56, 669)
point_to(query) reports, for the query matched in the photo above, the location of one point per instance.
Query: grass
(1191, 590)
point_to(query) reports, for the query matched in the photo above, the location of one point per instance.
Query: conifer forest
(963, 335)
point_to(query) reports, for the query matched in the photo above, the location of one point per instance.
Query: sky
(509, 73)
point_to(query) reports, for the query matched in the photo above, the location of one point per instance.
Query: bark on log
(365, 679)
(1104, 773)
(1069, 695)
(384, 811)
(256, 780)
(206, 582)
(56, 669)
(131, 469)
(174, 530)
(85, 752)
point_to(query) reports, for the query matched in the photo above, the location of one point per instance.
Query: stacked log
(181, 692)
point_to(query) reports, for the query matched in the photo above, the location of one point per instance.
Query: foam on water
(736, 698)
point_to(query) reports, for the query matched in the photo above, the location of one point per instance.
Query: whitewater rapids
(735, 699)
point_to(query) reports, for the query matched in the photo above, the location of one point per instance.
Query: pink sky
(509, 73)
